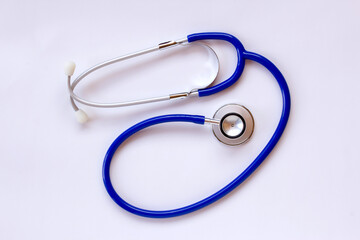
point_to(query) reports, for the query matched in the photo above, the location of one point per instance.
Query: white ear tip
(81, 116)
(69, 68)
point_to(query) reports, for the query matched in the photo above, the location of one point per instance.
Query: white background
(50, 169)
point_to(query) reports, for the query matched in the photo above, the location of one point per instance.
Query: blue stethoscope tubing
(242, 55)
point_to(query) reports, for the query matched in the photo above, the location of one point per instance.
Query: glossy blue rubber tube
(200, 120)
(125, 135)
(239, 65)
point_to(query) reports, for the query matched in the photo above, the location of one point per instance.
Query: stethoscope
(232, 124)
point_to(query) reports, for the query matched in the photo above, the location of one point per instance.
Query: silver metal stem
(212, 121)
(172, 43)
(179, 95)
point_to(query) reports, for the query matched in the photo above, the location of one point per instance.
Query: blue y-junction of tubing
(242, 55)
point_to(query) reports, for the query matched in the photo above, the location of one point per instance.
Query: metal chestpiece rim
(236, 124)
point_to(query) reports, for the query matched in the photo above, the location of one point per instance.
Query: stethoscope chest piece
(236, 124)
